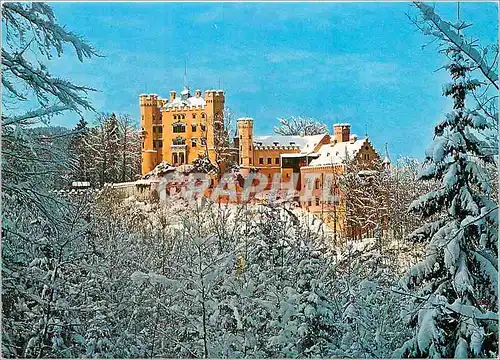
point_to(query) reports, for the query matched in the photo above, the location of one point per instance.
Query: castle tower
(245, 135)
(214, 106)
(341, 132)
(150, 115)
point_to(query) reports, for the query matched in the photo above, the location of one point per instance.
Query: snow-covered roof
(298, 155)
(331, 154)
(186, 100)
(305, 143)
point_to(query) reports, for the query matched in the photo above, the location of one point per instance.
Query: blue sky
(361, 63)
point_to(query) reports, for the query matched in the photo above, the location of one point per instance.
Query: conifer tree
(80, 132)
(454, 289)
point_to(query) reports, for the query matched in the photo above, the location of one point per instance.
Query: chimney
(172, 95)
(341, 132)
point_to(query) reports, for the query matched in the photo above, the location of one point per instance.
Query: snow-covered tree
(455, 288)
(366, 193)
(483, 60)
(297, 125)
(42, 237)
(79, 151)
(111, 149)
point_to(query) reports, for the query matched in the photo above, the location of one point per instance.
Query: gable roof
(334, 154)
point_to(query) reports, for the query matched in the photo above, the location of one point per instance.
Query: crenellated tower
(150, 120)
(214, 106)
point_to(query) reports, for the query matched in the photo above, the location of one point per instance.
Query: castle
(180, 129)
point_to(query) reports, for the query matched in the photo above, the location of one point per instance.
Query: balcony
(179, 147)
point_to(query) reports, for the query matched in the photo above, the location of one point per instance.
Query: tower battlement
(151, 100)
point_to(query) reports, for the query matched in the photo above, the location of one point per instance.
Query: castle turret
(150, 114)
(245, 140)
(214, 106)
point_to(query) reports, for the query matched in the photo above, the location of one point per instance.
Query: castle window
(309, 203)
(241, 148)
(202, 115)
(143, 144)
(194, 116)
(316, 201)
(269, 161)
(241, 137)
(241, 159)
(175, 117)
(193, 127)
(203, 127)
(142, 117)
(183, 116)
(277, 161)
(261, 161)
(250, 148)
(179, 141)
(193, 142)
(203, 141)
(179, 128)
(157, 144)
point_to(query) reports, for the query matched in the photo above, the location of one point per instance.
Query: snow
(332, 154)
(307, 143)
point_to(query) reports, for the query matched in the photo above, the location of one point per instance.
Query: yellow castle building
(178, 130)
(181, 128)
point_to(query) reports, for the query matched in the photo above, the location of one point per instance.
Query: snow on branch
(48, 33)
(448, 33)
(300, 125)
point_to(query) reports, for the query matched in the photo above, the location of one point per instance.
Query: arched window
(179, 141)
(174, 158)
(203, 115)
(179, 128)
